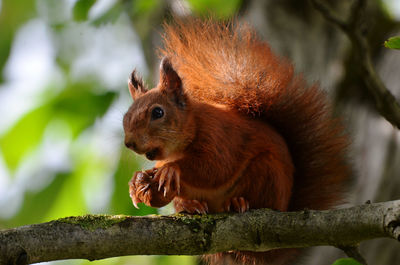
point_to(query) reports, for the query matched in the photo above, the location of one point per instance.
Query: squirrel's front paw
(237, 204)
(168, 177)
(144, 187)
(139, 187)
(190, 206)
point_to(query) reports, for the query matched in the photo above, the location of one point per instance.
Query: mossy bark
(100, 236)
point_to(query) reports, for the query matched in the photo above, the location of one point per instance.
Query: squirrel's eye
(157, 113)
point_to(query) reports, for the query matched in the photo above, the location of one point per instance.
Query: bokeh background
(63, 71)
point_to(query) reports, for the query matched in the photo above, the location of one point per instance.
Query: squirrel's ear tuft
(170, 81)
(136, 86)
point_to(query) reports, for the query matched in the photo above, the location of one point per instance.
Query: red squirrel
(232, 128)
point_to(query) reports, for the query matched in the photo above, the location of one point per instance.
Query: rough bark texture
(95, 237)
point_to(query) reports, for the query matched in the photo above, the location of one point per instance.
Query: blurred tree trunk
(323, 53)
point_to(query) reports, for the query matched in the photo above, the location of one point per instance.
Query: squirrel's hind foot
(190, 206)
(237, 204)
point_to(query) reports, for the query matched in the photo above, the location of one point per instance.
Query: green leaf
(144, 6)
(24, 136)
(347, 261)
(393, 43)
(220, 8)
(172, 260)
(81, 9)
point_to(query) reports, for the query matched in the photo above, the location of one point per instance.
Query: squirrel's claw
(166, 174)
(138, 188)
(161, 182)
(135, 199)
(191, 206)
(135, 202)
(205, 205)
(168, 180)
(178, 184)
(239, 204)
(143, 189)
(199, 207)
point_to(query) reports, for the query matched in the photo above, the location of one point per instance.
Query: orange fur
(237, 123)
(227, 64)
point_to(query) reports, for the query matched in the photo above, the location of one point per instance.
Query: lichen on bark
(93, 222)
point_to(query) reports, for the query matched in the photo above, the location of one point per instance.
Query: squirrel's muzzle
(151, 154)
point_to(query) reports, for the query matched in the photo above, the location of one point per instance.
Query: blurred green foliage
(76, 105)
(82, 8)
(13, 14)
(110, 16)
(347, 261)
(221, 9)
(71, 111)
(393, 43)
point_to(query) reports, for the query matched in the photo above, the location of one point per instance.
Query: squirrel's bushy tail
(227, 64)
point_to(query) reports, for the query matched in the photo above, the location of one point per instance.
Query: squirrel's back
(228, 64)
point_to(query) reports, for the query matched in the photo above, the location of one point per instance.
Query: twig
(96, 237)
(353, 252)
(385, 102)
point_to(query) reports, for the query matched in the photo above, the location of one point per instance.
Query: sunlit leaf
(81, 9)
(219, 8)
(175, 260)
(24, 136)
(348, 261)
(393, 43)
(143, 260)
(144, 6)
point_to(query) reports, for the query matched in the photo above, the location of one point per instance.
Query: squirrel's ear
(170, 81)
(136, 86)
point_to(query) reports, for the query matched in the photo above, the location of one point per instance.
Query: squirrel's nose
(130, 145)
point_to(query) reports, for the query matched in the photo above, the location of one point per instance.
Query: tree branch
(96, 236)
(385, 102)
